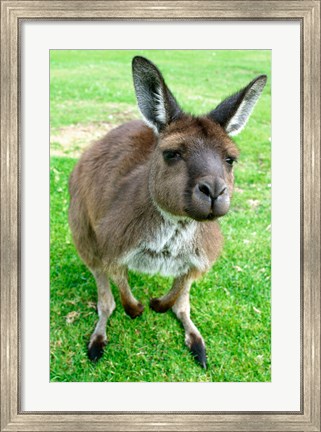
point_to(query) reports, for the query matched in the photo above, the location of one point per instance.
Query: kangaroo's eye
(230, 160)
(171, 155)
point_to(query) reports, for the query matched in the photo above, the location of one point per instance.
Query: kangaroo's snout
(210, 199)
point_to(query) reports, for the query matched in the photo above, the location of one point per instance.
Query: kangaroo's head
(191, 168)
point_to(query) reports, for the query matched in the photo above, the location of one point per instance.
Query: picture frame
(15, 12)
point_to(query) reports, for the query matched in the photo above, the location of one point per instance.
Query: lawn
(90, 93)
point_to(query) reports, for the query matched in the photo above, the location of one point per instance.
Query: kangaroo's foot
(96, 347)
(196, 344)
(105, 306)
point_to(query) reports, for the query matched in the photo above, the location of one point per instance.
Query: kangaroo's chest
(169, 250)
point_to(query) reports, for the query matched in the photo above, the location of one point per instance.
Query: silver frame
(307, 12)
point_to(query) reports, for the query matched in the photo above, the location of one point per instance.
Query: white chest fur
(169, 250)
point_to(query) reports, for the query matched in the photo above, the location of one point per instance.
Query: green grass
(231, 304)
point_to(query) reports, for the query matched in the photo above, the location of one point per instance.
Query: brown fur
(138, 196)
(111, 180)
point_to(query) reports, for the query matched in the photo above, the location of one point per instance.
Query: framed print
(147, 360)
(66, 80)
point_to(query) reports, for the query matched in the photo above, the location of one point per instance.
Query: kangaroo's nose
(209, 198)
(212, 190)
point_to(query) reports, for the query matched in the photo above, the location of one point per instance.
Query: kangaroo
(147, 197)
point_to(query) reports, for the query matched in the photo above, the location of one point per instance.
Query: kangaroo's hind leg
(106, 305)
(178, 299)
(193, 337)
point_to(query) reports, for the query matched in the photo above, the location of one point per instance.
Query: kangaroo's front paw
(197, 347)
(96, 347)
(134, 310)
(158, 305)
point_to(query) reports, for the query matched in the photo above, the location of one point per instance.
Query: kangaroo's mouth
(211, 217)
(199, 217)
(207, 209)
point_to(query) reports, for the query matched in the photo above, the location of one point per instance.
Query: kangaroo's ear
(233, 113)
(155, 101)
